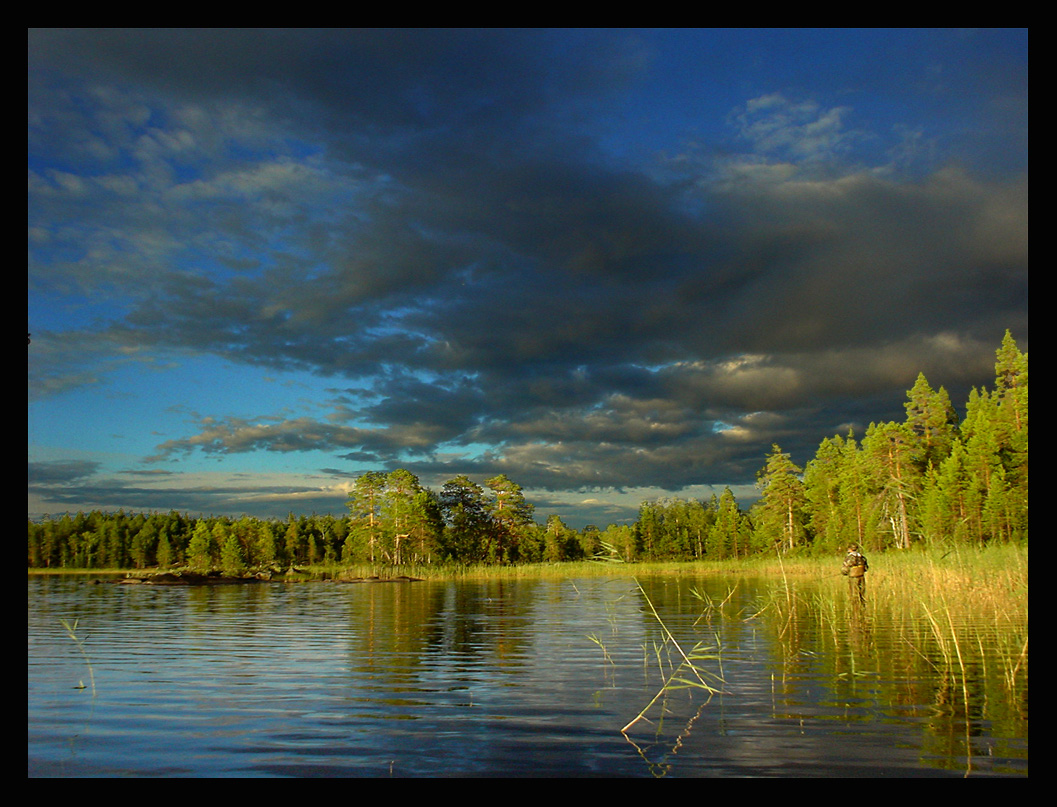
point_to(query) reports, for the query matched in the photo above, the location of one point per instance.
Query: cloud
(61, 472)
(432, 224)
(56, 487)
(799, 131)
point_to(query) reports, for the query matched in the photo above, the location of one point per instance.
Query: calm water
(513, 678)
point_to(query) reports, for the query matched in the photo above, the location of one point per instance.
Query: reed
(605, 652)
(71, 631)
(962, 612)
(688, 673)
(969, 597)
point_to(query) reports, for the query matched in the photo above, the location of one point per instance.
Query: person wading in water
(854, 568)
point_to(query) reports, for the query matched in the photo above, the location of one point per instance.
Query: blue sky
(612, 264)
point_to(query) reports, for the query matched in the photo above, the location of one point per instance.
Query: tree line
(927, 478)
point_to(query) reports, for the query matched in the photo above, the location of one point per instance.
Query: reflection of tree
(406, 629)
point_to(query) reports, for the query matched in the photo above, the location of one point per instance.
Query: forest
(928, 479)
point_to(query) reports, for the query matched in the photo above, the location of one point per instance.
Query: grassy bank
(66, 571)
(912, 574)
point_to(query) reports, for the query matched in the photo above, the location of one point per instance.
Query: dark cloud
(82, 486)
(62, 472)
(439, 221)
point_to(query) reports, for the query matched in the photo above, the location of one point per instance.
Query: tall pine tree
(780, 510)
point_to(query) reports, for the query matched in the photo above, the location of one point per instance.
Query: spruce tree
(200, 549)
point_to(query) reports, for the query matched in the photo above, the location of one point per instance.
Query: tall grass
(688, 673)
(971, 600)
(960, 615)
(484, 571)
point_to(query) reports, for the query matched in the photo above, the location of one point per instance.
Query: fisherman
(854, 568)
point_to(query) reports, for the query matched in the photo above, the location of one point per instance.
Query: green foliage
(232, 561)
(200, 548)
(779, 515)
(928, 479)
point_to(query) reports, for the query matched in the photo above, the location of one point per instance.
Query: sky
(611, 264)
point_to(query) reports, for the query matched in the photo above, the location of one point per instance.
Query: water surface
(526, 678)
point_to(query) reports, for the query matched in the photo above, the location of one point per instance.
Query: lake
(505, 678)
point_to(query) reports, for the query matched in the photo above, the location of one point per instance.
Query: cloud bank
(447, 229)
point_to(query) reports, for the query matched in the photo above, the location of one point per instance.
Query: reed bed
(961, 617)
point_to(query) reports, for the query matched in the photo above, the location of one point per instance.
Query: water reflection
(507, 678)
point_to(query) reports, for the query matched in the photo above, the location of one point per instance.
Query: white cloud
(797, 131)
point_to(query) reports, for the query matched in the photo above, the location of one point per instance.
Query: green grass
(57, 571)
(921, 571)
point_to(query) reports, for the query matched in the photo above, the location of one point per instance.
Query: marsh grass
(971, 600)
(959, 608)
(961, 615)
(467, 571)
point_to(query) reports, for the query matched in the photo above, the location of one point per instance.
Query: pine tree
(649, 528)
(982, 458)
(200, 549)
(1011, 397)
(410, 517)
(364, 503)
(143, 545)
(944, 509)
(822, 480)
(780, 511)
(511, 516)
(889, 452)
(590, 540)
(267, 550)
(622, 538)
(232, 562)
(725, 535)
(932, 421)
(556, 540)
(466, 520)
(165, 551)
(293, 542)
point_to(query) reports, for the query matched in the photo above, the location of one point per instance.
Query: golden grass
(962, 613)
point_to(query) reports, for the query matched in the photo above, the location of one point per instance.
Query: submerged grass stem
(71, 631)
